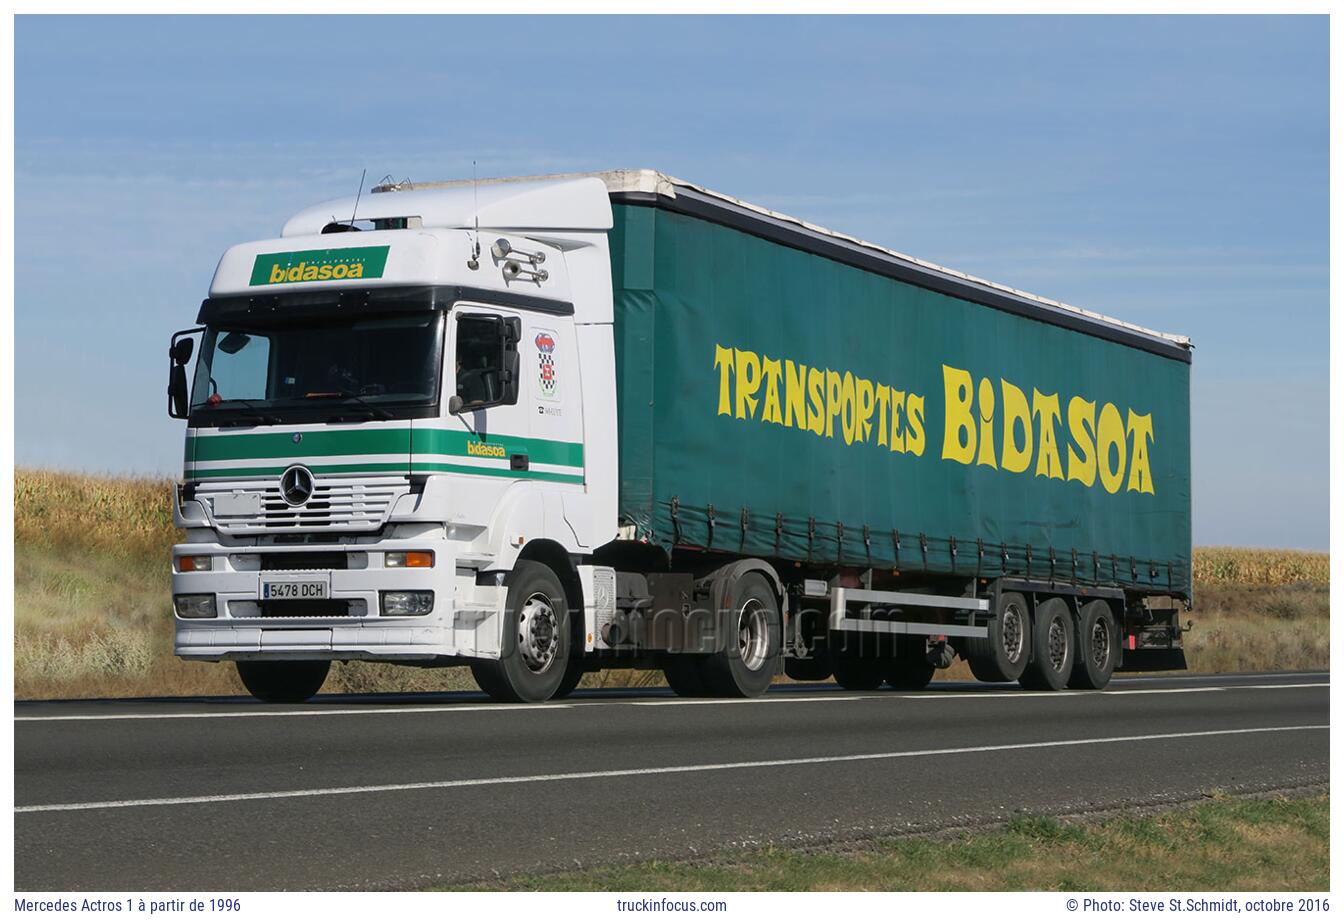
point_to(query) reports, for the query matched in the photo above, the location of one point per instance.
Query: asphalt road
(410, 791)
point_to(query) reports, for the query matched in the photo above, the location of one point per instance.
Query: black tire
(818, 667)
(534, 654)
(910, 668)
(750, 657)
(682, 673)
(573, 674)
(1003, 655)
(982, 671)
(1098, 647)
(283, 681)
(1053, 644)
(856, 661)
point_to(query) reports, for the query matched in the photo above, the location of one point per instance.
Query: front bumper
(464, 621)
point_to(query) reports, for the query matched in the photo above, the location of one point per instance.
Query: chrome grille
(336, 505)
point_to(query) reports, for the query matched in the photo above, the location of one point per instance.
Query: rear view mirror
(177, 391)
(179, 353)
(182, 349)
(454, 404)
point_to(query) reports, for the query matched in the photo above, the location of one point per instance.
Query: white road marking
(413, 709)
(645, 771)
(762, 699)
(1034, 695)
(264, 713)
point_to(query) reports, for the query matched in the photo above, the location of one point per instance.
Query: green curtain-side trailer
(780, 402)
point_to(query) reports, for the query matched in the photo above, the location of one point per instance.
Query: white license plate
(232, 504)
(295, 590)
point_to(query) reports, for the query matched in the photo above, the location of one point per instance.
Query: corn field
(1223, 565)
(126, 518)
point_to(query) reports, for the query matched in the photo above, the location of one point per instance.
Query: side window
(487, 359)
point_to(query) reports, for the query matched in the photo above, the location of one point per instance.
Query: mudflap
(1153, 659)
(1155, 646)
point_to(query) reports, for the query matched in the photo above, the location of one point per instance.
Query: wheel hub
(537, 633)
(1058, 644)
(1012, 633)
(753, 634)
(1101, 644)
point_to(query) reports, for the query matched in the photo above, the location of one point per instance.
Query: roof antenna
(475, 261)
(362, 174)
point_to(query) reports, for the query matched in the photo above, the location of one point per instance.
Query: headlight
(407, 603)
(195, 563)
(194, 606)
(420, 560)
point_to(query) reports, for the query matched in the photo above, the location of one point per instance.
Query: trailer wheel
(534, 655)
(856, 661)
(283, 681)
(1053, 648)
(910, 668)
(1003, 654)
(751, 653)
(1097, 645)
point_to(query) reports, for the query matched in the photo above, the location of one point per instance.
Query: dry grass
(1259, 628)
(1222, 845)
(92, 614)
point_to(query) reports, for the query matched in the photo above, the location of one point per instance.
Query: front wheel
(283, 681)
(534, 654)
(573, 674)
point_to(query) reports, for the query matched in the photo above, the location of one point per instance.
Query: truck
(542, 426)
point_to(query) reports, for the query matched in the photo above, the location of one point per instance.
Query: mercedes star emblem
(296, 485)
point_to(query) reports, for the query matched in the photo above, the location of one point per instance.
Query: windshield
(383, 366)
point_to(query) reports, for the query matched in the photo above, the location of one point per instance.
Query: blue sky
(1169, 171)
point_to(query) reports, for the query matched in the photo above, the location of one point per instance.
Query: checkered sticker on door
(548, 380)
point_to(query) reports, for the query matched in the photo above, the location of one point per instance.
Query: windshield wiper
(376, 411)
(257, 415)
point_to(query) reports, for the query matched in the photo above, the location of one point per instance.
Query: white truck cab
(386, 413)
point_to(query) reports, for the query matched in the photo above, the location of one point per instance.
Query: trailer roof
(653, 187)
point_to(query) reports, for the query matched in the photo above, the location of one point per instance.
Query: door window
(487, 359)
